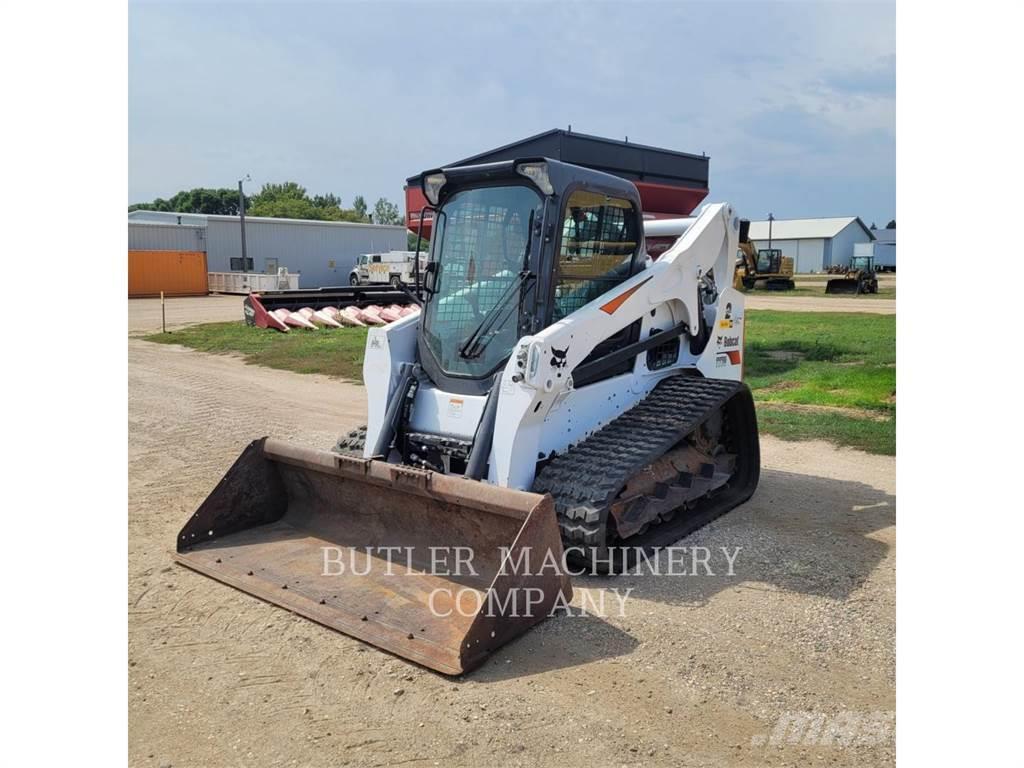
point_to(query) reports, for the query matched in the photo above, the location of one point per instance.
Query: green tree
(359, 206)
(286, 199)
(386, 212)
(285, 208)
(327, 201)
(157, 205)
(290, 200)
(286, 190)
(891, 224)
(424, 243)
(210, 201)
(338, 214)
(199, 200)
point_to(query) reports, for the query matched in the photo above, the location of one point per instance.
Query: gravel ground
(821, 304)
(697, 671)
(144, 314)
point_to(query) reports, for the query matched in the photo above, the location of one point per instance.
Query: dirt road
(144, 314)
(821, 304)
(698, 670)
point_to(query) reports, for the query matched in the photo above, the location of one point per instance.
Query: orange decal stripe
(619, 300)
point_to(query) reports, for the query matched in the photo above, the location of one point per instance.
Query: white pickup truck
(395, 267)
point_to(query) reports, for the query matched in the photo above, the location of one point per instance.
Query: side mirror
(421, 282)
(430, 277)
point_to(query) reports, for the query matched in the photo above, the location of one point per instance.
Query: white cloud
(353, 98)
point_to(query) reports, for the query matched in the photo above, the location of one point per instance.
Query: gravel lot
(821, 304)
(144, 314)
(697, 672)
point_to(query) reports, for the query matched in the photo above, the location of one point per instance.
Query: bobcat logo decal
(558, 357)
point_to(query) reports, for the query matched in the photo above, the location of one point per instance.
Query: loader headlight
(432, 187)
(538, 174)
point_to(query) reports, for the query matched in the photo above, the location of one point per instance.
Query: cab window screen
(479, 249)
(599, 239)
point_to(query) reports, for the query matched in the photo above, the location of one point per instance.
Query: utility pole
(241, 218)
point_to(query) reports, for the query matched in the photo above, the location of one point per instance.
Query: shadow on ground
(799, 533)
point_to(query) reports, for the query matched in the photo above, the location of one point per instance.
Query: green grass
(869, 436)
(824, 375)
(814, 375)
(333, 353)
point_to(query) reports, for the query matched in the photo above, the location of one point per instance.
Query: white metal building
(154, 236)
(884, 249)
(814, 244)
(165, 217)
(321, 252)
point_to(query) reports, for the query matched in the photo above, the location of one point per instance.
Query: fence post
(163, 314)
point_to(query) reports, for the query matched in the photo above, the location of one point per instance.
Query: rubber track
(586, 479)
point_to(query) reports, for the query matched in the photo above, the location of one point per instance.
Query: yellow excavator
(766, 265)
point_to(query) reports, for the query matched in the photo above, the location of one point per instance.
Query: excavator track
(586, 480)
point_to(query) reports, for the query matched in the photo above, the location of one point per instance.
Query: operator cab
(769, 261)
(862, 263)
(516, 246)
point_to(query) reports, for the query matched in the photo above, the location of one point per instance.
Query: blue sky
(794, 102)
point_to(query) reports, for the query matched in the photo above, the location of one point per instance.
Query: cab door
(597, 249)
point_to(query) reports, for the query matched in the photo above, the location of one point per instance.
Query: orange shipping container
(176, 273)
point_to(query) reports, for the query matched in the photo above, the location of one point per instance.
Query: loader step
(586, 479)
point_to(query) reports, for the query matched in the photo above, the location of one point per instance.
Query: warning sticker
(455, 407)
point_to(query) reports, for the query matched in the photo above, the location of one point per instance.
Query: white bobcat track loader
(559, 393)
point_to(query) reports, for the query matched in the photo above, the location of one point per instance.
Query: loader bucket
(843, 285)
(437, 569)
